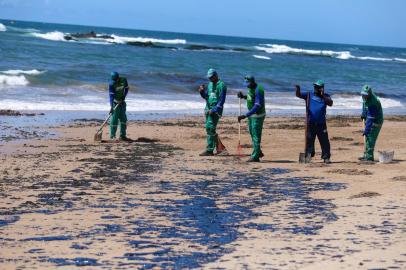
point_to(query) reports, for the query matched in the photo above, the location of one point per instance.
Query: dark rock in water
(68, 38)
(203, 47)
(90, 34)
(148, 44)
(104, 37)
(241, 50)
(196, 47)
(16, 113)
(9, 113)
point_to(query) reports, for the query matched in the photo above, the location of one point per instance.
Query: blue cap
(114, 75)
(319, 83)
(211, 72)
(366, 90)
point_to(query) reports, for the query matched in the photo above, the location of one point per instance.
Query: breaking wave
(343, 55)
(124, 40)
(103, 39)
(284, 49)
(2, 27)
(400, 60)
(355, 102)
(19, 72)
(55, 36)
(13, 80)
(15, 77)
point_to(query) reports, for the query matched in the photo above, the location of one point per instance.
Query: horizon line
(205, 34)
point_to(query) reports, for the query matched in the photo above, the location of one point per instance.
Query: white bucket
(386, 156)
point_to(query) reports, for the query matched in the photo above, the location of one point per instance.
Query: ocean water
(45, 67)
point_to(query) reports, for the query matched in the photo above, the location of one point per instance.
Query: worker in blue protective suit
(215, 96)
(118, 90)
(372, 114)
(316, 107)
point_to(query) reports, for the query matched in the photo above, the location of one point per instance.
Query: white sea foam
(55, 36)
(380, 59)
(275, 48)
(344, 55)
(88, 104)
(145, 104)
(355, 102)
(374, 58)
(19, 72)
(59, 36)
(13, 80)
(261, 57)
(96, 41)
(400, 60)
(2, 27)
(122, 40)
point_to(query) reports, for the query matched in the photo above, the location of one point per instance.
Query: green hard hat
(319, 83)
(366, 90)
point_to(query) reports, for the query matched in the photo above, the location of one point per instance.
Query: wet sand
(154, 203)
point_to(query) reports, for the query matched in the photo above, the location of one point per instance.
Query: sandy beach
(66, 201)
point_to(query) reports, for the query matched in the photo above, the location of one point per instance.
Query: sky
(366, 22)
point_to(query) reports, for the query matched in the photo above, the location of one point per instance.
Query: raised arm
(299, 93)
(203, 91)
(328, 100)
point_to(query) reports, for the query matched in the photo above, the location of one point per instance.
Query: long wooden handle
(307, 120)
(239, 124)
(107, 119)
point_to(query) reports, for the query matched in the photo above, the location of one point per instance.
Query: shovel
(303, 158)
(239, 147)
(99, 133)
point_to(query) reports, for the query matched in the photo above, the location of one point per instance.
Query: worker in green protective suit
(256, 115)
(215, 96)
(118, 90)
(372, 114)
